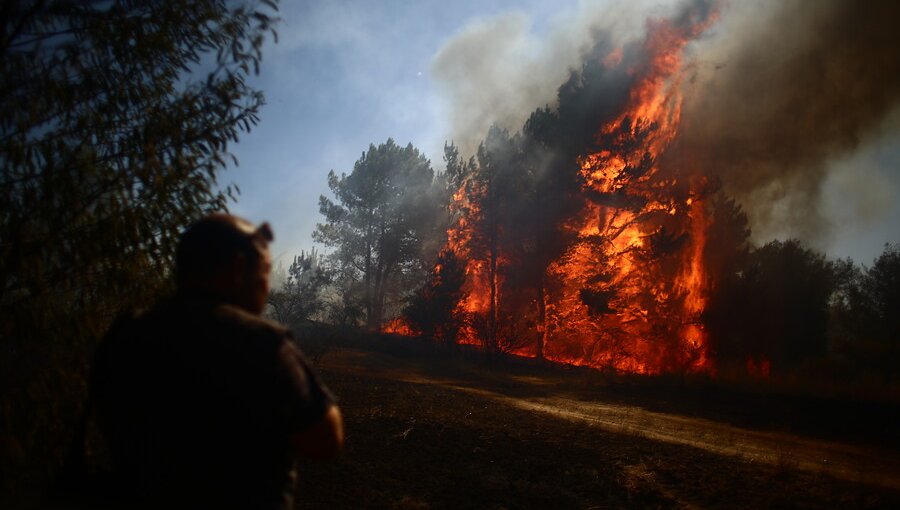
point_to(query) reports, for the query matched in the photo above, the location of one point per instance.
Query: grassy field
(428, 431)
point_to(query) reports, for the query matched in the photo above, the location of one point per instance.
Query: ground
(429, 432)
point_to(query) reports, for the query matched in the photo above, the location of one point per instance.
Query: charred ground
(432, 429)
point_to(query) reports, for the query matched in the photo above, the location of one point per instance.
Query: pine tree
(377, 229)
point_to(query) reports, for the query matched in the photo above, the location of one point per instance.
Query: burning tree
(883, 286)
(432, 309)
(581, 244)
(601, 234)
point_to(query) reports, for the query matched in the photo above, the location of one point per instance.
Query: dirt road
(426, 434)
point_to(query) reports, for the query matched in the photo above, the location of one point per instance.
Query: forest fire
(397, 326)
(628, 291)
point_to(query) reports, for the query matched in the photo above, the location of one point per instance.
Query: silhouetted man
(202, 402)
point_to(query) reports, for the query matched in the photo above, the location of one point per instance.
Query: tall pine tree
(379, 223)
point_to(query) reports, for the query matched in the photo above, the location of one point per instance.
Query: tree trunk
(891, 363)
(542, 320)
(492, 277)
(378, 302)
(367, 278)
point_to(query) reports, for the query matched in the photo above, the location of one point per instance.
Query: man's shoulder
(240, 319)
(186, 310)
(197, 319)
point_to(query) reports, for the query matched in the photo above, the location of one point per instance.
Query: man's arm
(321, 440)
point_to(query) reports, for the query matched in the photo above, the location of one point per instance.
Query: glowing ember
(398, 326)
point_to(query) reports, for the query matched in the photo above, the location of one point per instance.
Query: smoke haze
(778, 96)
(498, 70)
(782, 90)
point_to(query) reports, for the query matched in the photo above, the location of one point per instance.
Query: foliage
(299, 297)
(775, 308)
(522, 191)
(852, 323)
(343, 309)
(789, 308)
(432, 309)
(116, 121)
(883, 287)
(865, 323)
(379, 226)
(514, 198)
(492, 188)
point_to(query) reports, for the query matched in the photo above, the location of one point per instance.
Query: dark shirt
(198, 401)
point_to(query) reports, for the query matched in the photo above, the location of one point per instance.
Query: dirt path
(848, 462)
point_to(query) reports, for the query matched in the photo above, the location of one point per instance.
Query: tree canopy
(379, 223)
(117, 117)
(299, 296)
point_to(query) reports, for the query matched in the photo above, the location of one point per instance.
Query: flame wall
(628, 291)
(752, 106)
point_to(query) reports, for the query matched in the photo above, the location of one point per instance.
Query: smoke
(499, 70)
(780, 91)
(776, 94)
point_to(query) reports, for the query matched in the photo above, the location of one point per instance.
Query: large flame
(629, 292)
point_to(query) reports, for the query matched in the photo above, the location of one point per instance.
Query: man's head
(228, 257)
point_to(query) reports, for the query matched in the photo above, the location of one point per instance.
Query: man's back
(198, 401)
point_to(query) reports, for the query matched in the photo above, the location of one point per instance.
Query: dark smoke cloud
(499, 70)
(781, 89)
(775, 92)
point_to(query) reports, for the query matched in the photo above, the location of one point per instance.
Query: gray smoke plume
(775, 92)
(783, 88)
(498, 70)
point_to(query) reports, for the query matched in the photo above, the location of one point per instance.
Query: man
(203, 403)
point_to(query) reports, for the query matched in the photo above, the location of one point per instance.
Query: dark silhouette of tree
(495, 183)
(494, 176)
(726, 252)
(523, 189)
(299, 297)
(457, 169)
(344, 308)
(377, 227)
(432, 309)
(116, 122)
(775, 308)
(853, 324)
(882, 283)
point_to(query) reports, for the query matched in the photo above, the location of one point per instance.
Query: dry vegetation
(425, 430)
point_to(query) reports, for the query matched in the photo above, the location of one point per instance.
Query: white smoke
(780, 95)
(499, 70)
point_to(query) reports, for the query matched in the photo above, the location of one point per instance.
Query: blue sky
(346, 74)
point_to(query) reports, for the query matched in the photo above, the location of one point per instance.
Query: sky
(346, 74)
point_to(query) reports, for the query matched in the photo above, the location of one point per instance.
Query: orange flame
(397, 326)
(633, 285)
